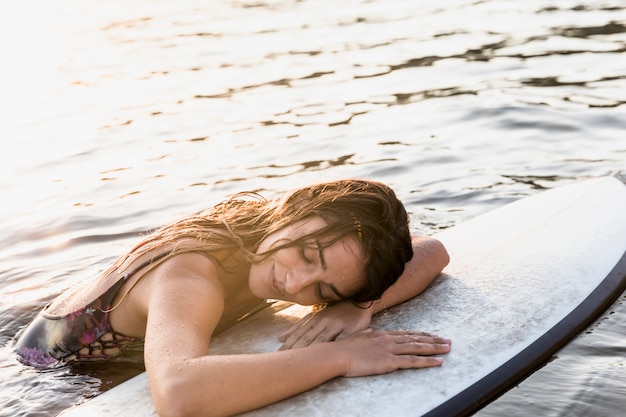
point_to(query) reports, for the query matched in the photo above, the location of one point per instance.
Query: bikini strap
(108, 296)
(143, 265)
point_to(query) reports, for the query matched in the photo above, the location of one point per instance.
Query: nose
(297, 281)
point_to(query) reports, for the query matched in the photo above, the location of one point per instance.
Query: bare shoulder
(182, 278)
(184, 302)
(185, 284)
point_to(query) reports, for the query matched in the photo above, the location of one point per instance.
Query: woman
(345, 244)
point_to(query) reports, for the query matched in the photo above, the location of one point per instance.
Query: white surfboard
(522, 281)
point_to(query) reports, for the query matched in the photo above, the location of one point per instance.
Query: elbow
(171, 402)
(443, 254)
(434, 252)
(174, 398)
(440, 255)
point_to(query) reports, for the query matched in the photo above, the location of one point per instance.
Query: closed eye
(303, 255)
(336, 296)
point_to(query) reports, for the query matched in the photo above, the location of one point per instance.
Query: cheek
(355, 284)
(255, 281)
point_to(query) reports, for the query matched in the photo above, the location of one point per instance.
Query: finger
(304, 336)
(410, 338)
(342, 335)
(410, 333)
(302, 330)
(317, 334)
(302, 322)
(395, 362)
(415, 362)
(421, 349)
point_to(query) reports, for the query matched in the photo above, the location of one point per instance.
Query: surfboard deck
(523, 280)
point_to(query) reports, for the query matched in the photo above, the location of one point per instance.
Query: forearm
(429, 259)
(226, 385)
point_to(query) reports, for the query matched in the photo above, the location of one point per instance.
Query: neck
(239, 300)
(233, 274)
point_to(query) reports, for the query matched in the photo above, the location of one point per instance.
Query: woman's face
(308, 274)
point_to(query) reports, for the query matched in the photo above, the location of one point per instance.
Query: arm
(184, 305)
(429, 259)
(343, 319)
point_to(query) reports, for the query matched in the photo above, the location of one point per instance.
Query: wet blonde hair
(367, 210)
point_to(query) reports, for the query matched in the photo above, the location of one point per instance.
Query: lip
(272, 281)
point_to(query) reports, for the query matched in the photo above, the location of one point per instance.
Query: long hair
(367, 210)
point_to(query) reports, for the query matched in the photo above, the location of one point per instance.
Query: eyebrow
(320, 251)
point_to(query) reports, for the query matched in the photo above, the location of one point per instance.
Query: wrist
(371, 307)
(335, 357)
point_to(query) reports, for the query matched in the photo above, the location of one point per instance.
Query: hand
(332, 323)
(373, 352)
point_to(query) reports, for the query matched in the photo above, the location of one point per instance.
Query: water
(120, 117)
